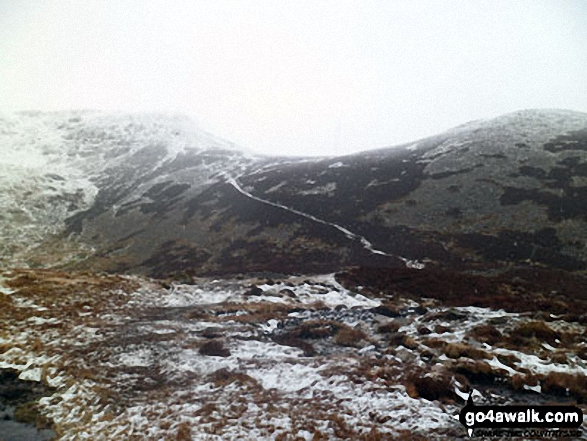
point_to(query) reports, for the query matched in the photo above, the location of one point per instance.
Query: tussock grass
(457, 350)
(347, 336)
(214, 348)
(562, 383)
(432, 384)
(536, 329)
(487, 334)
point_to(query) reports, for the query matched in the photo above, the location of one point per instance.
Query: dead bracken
(214, 348)
(129, 357)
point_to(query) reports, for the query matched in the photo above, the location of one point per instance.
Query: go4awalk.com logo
(537, 421)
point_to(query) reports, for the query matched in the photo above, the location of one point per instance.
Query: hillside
(352, 356)
(153, 194)
(158, 282)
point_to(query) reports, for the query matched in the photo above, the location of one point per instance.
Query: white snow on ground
(51, 164)
(287, 377)
(276, 187)
(327, 189)
(137, 357)
(539, 366)
(42, 321)
(474, 317)
(252, 350)
(278, 368)
(186, 295)
(534, 126)
(144, 350)
(25, 303)
(330, 292)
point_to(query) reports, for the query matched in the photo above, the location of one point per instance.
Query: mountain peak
(532, 119)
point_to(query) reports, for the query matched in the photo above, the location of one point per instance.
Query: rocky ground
(363, 354)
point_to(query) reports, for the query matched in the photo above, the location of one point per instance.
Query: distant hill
(154, 194)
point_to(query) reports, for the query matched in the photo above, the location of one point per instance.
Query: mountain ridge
(154, 194)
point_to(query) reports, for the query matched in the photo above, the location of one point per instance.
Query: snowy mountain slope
(509, 189)
(38, 188)
(56, 166)
(156, 195)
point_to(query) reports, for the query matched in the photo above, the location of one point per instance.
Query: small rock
(387, 310)
(254, 291)
(441, 329)
(286, 292)
(405, 355)
(423, 330)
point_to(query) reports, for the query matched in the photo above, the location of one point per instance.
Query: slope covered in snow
(153, 194)
(289, 358)
(56, 165)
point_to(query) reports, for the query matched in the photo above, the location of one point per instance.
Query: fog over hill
(153, 194)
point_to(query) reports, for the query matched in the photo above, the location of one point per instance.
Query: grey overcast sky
(300, 76)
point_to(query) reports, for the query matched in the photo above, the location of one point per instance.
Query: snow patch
(327, 189)
(286, 377)
(187, 295)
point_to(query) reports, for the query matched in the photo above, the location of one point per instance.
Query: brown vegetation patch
(214, 348)
(70, 293)
(372, 370)
(29, 413)
(509, 360)
(432, 385)
(289, 340)
(441, 329)
(558, 357)
(487, 334)
(562, 383)
(478, 371)
(582, 352)
(518, 381)
(347, 336)
(434, 343)
(423, 330)
(388, 328)
(223, 377)
(184, 432)
(536, 329)
(5, 300)
(402, 339)
(457, 350)
(315, 329)
(520, 290)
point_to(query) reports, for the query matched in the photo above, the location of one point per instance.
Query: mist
(297, 78)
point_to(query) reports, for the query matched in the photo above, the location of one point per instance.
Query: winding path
(349, 234)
